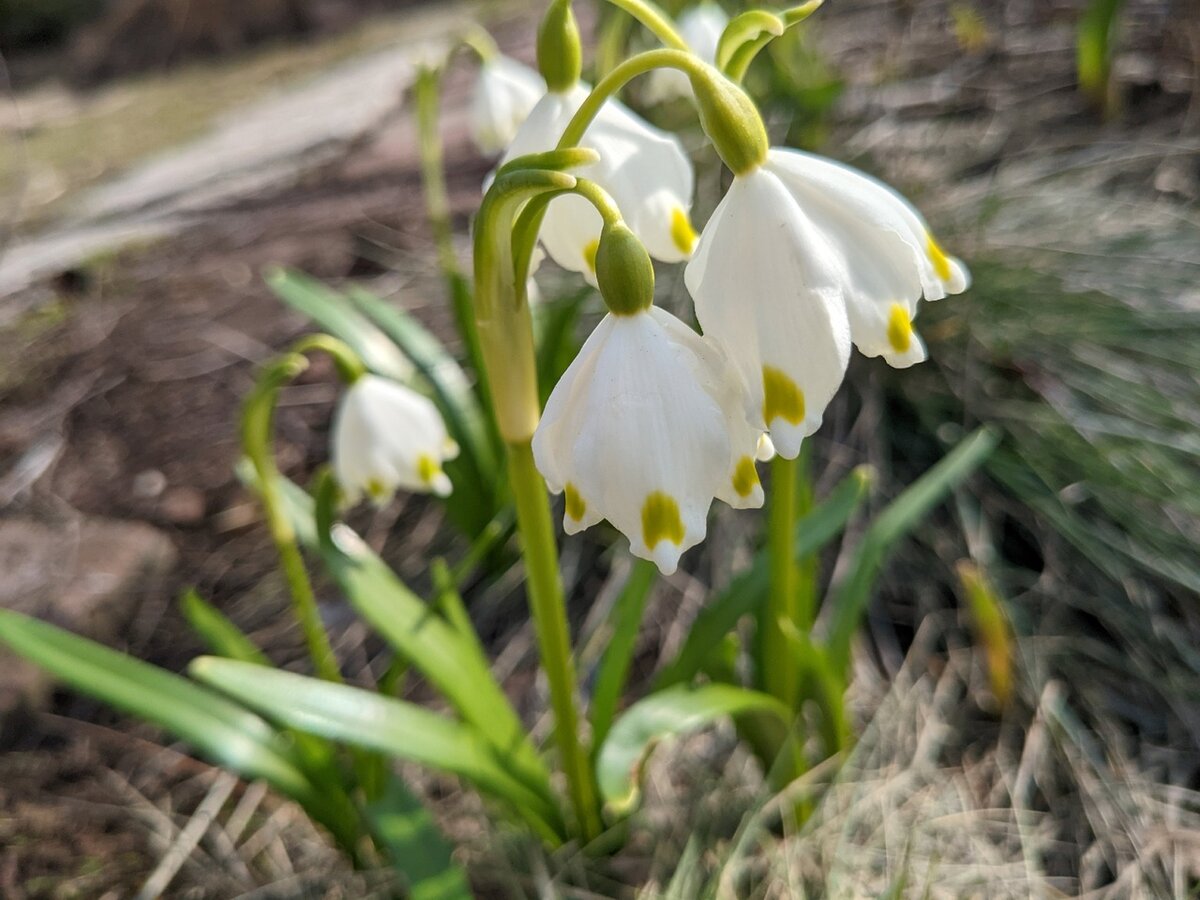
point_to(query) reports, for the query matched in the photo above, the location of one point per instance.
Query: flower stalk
(258, 421)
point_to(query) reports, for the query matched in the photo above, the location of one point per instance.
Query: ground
(126, 369)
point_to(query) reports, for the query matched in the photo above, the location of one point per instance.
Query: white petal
(636, 432)
(385, 436)
(505, 93)
(768, 288)
(643, 168)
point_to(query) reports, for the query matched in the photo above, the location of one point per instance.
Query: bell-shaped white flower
(768, 288)
(890, 257)
(701, 27)
(644, 429)
(387, 436)
(505, 93)
(643, 168)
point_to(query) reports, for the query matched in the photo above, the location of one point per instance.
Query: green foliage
(1094, 51)
(673, 711)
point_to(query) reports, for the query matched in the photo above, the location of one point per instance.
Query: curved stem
(667, 58)
(258, 419)
(548, 607)
(655, 19)
(437, 209)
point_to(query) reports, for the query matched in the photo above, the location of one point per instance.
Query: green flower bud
(731, 120)
(559, 51)
(624, 271)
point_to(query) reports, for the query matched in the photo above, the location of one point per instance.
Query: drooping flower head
(647, 425)
(387, 436)
(801, 258)
(505, 93)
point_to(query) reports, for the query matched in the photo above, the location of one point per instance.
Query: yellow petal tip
(682, 232)
(937, 256)
(899, 328)
(576, 505)
(745, 477)
(782, 397)
(660, 520)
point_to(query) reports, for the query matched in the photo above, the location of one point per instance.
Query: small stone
(182, 506)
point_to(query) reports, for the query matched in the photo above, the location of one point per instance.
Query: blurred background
(157, 156)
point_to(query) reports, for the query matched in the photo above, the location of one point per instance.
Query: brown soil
(143, 379)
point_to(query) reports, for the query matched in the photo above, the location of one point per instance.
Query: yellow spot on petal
(782, 397)
(899, 328)
(427, 468)
(576, 505)
(660, 520)
(745, 477)
(682, 232)
(376, 489)
(589, 253)
(937, 256)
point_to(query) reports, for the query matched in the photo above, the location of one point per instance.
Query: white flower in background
(768, 288)
(505, 93)
(644, 429)
(701, 26)
(643, 168)
(387, 436)
(891, 258)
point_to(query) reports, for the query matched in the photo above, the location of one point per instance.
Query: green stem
(258, 419)
(806, 585)
(777, 649)
(655, 19)
(548, 608)
(607, 87)
(437, 207)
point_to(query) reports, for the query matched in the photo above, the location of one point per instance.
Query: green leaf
(747, 591)
(554, 334)
(331, 311)
(415, 846)
(1093, 50)
(365, 719)
(222, 731)
(851, 598)
(624, 623)
(216, 630)
(670, 712)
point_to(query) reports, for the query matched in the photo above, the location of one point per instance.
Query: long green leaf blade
(216, 630)
(365, 719)
(219, 729)
(851, 599)
(618, 655)
(748, 590)
(331, 311)
(415, 846)
(670, 712)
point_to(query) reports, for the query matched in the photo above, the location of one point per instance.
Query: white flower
(801, 257)
(647, 426)
(386, 436)
(505, 92)
(701, 27)
(891, 258)
(768, 288)
(643, 168)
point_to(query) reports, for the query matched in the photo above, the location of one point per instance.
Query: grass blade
(415, 846)
(851, 598)
(365, 719)
(216, 630)
(748, 590)
(618, 655)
